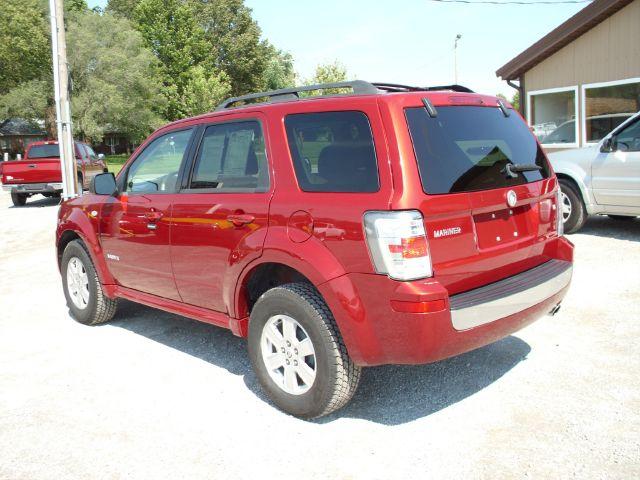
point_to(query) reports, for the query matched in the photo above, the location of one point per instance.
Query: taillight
(559, 216)
(398, 244)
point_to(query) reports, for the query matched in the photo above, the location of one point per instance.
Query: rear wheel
(621, 217)
(19, 199)
(574, 213)
(298, 354)
(82, 289)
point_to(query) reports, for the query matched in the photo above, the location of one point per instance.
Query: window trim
(575, 90)
(185, 186)
(293, 166)
(125, 175)
(584, 88)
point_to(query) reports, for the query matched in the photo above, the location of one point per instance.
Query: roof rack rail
(359, 87)
(394, 87)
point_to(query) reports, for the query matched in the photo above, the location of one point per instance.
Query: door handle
(240, 219)
(153, 216)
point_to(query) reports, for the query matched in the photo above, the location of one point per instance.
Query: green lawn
(115, 162)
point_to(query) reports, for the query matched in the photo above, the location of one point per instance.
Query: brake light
(559, 217)
(398, 244)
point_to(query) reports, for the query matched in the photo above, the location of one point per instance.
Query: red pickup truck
(40, 172)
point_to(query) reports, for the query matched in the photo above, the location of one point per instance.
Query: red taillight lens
(412, 247)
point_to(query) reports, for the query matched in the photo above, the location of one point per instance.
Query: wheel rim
(566, 206)
(78, 283)
(288, 354)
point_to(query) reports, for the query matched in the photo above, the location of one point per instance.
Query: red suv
(387, 225)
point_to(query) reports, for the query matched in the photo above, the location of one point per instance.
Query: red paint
(200, 256)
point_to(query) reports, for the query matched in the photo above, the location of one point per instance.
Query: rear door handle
(153, 216)
(240, 219)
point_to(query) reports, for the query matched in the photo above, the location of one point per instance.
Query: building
(582, 79)
(16, 134)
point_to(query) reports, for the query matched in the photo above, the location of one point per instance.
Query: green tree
(329, 73)
(122, 8)
(171, 30)
(114, 79)
(233, 37)
(279, 71)
(24, 43)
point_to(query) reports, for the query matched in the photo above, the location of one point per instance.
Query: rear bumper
(366, 309)
(33, 188)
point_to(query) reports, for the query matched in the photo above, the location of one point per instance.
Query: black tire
(19, 199)
(621, 217)
(578, 215)
(336, 377)
(99, 308)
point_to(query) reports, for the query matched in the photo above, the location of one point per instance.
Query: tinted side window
(232, 157)
(333, 152)
(629, 138)
(156, 169)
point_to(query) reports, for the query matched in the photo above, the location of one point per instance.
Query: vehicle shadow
(390, 395)
(602, 226)
(41, 202)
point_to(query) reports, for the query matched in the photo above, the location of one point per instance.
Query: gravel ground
(156, 396)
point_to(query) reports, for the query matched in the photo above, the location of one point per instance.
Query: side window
(232, 157)
(629, 139)
(92, 155)
(333, 152)
(156, 169)
(81, 153)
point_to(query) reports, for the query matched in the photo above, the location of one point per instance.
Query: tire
(19, 199)
(96, 308)
(578, 215)
(336, 376)
(621, 217)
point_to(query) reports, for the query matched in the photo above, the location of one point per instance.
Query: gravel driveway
(154, 395)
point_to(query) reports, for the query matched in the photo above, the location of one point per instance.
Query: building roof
(580, 23)
(19, 127)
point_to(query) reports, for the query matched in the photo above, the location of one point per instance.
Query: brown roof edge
(581, 22)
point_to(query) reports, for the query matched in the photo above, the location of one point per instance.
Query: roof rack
(359, 87)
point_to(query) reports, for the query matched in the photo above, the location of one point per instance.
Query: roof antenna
(431, 110)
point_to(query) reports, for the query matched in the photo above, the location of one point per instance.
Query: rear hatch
(485, 218)
(42, 165)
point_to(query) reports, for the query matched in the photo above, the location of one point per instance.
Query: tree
(234, 39)
(114, 80)
(122, 8)
(279, 72)
(24, 43)
(330, 73)
(187, 65)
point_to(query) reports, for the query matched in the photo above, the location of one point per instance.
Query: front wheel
(574, 213)
(19, 199)
(82, 289)
(298, 354)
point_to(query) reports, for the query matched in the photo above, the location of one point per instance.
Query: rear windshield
(466, 148)
(44, 151)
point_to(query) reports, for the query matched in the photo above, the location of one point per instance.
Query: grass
(115, 162)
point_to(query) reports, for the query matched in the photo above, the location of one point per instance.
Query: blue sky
(408, 41)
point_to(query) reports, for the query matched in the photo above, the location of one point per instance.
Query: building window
(552, 115)
(607, 105)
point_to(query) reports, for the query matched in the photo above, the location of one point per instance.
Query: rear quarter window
(333, 152)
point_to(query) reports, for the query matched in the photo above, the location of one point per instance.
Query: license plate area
(504, 226)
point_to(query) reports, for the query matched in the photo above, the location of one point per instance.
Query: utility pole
(63, 109)
(455, 58)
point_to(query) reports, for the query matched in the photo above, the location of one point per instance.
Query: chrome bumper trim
(509, 296)
(32, 188)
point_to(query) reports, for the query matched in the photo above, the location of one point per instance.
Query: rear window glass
(333, 152)
(466, 148)
(44, 151)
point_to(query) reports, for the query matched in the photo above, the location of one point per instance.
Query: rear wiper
(512, 169)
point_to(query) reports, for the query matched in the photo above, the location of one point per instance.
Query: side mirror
(104, 184)
(101, 156)
(609, 145)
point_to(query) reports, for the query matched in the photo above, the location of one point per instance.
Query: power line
(511, 2)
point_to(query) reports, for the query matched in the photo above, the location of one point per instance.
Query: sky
(406, 41)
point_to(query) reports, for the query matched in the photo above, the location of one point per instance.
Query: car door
(82, 162)
(616, 174)
(219, 220)
(134, 230)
